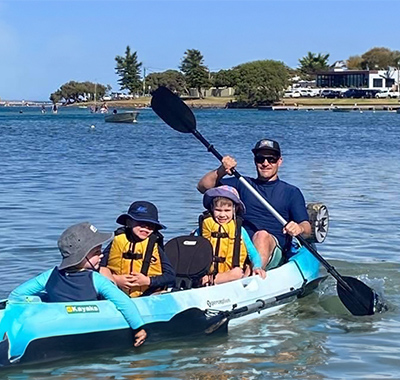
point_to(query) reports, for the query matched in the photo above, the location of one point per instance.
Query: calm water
(56, 170)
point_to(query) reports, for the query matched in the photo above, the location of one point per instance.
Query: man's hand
(139, 279)
(140, 337)
(227, 164)
(293, 229)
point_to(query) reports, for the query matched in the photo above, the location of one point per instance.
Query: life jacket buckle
(217, 259)
(132, 256)
(219, 235)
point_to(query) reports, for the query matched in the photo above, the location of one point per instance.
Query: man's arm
(212, 178)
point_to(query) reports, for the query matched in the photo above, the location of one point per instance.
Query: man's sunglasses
(271, 159)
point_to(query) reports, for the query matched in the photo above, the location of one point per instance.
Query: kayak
(36, 331)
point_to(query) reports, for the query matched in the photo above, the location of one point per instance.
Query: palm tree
(312, 63)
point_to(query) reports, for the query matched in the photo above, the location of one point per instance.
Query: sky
(46, 43)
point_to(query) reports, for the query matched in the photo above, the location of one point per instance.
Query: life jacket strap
(149, 253)
(236, 246)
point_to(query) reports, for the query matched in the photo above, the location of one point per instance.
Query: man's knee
(263, 236)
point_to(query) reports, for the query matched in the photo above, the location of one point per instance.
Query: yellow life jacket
(226, 239)
(128, 257)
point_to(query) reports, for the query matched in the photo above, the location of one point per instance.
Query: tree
(380, 58)
(128, 69)
(196, 73)
(311, 64)
(72, 92)
(224, 78)
(172, 79)
(261, 82)
(355, 62)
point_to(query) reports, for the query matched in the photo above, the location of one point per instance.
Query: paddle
(358, 298)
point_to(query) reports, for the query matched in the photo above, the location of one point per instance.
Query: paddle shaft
(279, 217)
(355, 295)
(264, 304)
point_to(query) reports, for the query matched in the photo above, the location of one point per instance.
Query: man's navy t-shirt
(286, 199)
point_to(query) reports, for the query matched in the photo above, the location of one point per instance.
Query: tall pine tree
(196, 73)
(128, 69)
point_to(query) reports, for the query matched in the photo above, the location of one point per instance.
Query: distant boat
(342, 110)
(122, 117)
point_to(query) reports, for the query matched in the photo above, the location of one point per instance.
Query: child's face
(142, 230)
(223, 213)
(94, 256)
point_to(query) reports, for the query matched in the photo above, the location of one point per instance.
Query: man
(270, 239)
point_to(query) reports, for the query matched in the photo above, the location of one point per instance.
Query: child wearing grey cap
(77, 277)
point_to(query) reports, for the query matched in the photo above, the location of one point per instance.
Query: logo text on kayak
(82, 309)
(218, 302)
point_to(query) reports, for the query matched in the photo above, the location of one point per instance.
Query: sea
(65, 168)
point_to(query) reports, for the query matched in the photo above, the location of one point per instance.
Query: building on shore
(339, 76)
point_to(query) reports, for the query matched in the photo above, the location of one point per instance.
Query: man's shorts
(276, 257)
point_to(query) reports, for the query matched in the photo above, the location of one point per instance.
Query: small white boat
(122, 117)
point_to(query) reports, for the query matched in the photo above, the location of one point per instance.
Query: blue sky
(44, 44)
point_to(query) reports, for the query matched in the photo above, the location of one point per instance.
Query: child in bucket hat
(135, 260)
(222, 226)
(77, 278)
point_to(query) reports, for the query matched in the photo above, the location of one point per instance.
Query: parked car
(387, 94)
(331, 94)
(304, 93)
(325, 93)
(354, 93)
(313, 92)
(291, 94)
(371, 93)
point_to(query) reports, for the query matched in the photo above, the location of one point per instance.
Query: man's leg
(265, 244)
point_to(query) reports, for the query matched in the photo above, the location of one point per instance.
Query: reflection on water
(56, 170)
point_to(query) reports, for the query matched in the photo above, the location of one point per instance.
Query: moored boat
(122, 117)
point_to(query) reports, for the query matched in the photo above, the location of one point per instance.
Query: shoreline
(226, 102)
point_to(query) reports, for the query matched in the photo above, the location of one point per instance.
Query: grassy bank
(211, 102)
(218, 102)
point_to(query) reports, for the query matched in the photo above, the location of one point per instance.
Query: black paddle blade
(311, 286)
(172, 109)
(359, 298)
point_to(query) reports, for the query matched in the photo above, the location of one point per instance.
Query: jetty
(334, 108)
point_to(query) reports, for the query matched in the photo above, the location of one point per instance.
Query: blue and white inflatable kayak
(34, 331)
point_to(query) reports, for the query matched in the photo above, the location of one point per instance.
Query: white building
(339, 76)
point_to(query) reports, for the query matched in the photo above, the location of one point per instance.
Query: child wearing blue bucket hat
(221, 224)
(135, 260)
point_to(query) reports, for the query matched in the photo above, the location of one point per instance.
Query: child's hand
(260, 272)
(139, 279)
(140, 337)
(124, 281)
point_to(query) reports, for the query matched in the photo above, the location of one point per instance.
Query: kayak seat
(191, 257)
